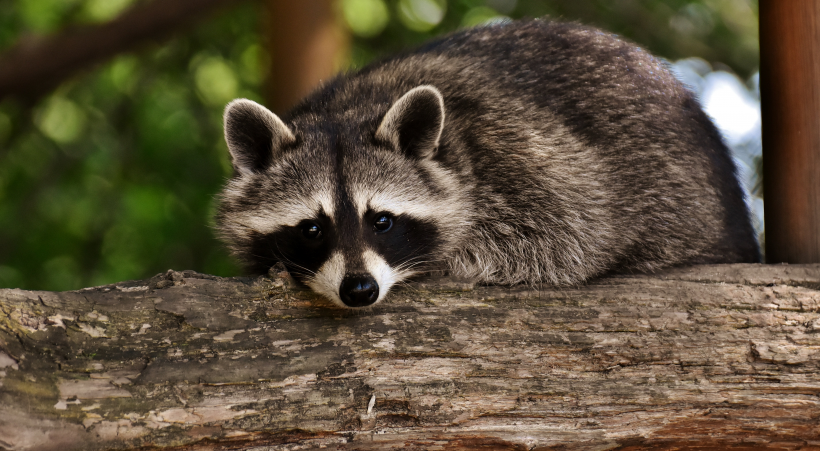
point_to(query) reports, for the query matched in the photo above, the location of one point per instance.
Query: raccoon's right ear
(415, 122)
(254, 135)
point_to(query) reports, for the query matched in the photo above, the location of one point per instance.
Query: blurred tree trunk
(307, 44)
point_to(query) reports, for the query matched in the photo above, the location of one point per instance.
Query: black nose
(359, 291)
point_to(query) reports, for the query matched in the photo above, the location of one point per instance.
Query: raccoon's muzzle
(359, 291)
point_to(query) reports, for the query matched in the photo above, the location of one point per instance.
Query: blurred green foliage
(113, 175)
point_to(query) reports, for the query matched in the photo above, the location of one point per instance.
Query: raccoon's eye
(383, 223)
(311, 231)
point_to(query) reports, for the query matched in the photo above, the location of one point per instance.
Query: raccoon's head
(349, 206)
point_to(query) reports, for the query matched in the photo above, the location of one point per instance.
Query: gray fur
(565, 153)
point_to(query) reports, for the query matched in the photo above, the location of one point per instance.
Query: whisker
(281, 258)
(279, 252)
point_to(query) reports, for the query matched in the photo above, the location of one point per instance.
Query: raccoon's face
(349, 210)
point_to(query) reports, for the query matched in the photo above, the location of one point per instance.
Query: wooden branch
(706, 357)
(36, 66)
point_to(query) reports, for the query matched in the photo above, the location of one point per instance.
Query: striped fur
(527, 152)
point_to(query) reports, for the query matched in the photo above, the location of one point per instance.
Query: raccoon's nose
(359, 291)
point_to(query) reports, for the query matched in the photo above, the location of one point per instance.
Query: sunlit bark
(712, 357)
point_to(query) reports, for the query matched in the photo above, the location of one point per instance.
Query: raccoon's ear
(414, 123)
(254, 135)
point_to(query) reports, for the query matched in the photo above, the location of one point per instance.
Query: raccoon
(532, 152)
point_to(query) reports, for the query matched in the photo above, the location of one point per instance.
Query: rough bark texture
(709, 357)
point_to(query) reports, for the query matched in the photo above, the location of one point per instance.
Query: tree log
(708, 357)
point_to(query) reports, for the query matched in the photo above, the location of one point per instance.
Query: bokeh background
(110, 173)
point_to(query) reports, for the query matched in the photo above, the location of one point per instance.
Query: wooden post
(790, 91)
(307, 45)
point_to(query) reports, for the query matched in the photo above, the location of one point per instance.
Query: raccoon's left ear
(415, 122)
(255, 136)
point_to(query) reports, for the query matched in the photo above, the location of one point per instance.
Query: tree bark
(34, 67)
(707, 357)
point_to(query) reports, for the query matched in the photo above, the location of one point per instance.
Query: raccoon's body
(535, 152)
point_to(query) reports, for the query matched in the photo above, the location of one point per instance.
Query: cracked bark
(705, 357)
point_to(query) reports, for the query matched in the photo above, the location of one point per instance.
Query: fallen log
(707, 357)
